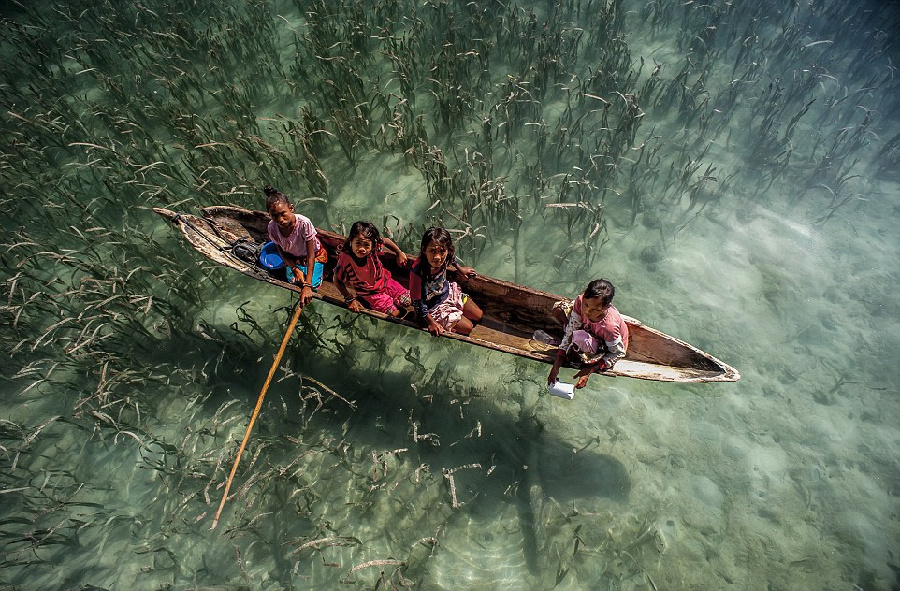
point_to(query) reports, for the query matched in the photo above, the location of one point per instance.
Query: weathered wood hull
(511, 312)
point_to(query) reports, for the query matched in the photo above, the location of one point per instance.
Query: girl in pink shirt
(359, 266)
(593, 328)
(295, 236)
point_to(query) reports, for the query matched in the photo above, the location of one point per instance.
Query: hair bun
(269, 190)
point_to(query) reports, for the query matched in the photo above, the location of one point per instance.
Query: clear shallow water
(768, 241)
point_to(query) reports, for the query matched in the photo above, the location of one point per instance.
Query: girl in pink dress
(438, 302)
(359, 266)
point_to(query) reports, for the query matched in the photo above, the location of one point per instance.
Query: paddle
(259, 401)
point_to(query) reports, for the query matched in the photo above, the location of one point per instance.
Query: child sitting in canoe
(593, 328)
(438, 302)
(359, 266)
(295, 237)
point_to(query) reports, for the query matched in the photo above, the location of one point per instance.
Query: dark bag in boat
(247, 250)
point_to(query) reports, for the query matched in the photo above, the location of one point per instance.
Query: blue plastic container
(269, 257)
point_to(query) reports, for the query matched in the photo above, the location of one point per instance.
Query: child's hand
(402, 259)
(553, 377)
(355, 306)
(465, 273)
(434, 328)
(306, 295)
(582, 381)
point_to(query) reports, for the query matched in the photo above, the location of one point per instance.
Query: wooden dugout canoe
(511, 312)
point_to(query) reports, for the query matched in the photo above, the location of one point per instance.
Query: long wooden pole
(259, 401)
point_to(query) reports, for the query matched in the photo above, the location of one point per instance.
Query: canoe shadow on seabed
(421, 451)
(457, 426)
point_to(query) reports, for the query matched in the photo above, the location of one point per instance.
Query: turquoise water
(731, 168)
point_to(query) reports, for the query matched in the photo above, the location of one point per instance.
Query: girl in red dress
(359, 267)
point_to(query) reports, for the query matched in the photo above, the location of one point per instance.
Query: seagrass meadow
(732, 167)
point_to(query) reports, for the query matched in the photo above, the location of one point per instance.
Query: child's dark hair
(442, 237)
(364, 229)
(600, 288)
(274, 196)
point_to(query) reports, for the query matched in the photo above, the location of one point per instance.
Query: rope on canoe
(230, 245)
